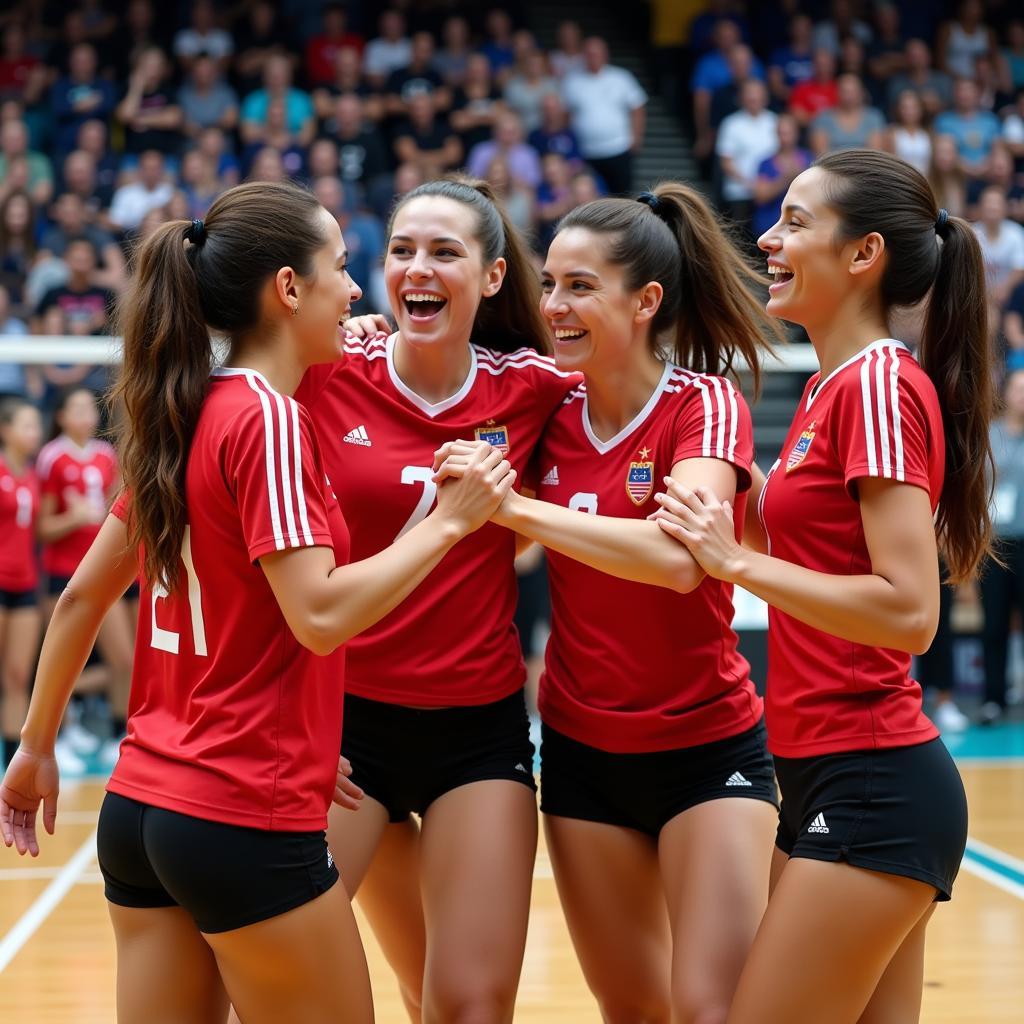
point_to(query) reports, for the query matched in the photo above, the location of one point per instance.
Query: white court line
(46, 902)
(993, 878)
(994, 853)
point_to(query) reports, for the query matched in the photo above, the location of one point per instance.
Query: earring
(295, 310)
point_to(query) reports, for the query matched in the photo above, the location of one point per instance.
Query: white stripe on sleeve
(268, 437)
(894, 402)
(286, 483)
(300, 496)
(869, 431)
(733, 421)
(883, 416)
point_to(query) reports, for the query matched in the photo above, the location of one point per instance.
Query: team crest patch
(640, 481)
(800, 449)
(495, 435)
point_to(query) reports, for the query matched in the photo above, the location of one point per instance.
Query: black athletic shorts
(56, 585)
(405, 758)
(225, 876)
(646, 791)
(12, 599)
(901, 810)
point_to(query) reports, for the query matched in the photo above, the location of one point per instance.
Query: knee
(632, 1008)
(15, 680)
(486, 1006)
(694, 1008)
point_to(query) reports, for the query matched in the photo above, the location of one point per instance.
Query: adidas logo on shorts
(818, 825)
(330, 860)
(737, 779)
(520, 767)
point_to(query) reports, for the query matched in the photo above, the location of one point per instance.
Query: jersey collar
(603, 447)
(432, 409)
(881, 343)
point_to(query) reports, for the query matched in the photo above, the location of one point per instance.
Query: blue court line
(996, 866)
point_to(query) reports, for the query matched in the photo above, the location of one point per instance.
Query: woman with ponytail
(435, 717)
(656, 787)
(887, 459)
(211, 838)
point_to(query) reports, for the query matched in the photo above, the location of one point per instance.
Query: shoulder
(886, 381)
(521, 363)
(48, 456)
(717, 396)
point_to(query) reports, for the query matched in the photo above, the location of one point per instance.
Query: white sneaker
(68, 761)
(949, 718)
(109, 752)
(79, 739)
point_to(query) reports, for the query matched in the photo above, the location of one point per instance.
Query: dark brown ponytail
(710, 311)
(511, 318)
(179, 291)
(874, 191)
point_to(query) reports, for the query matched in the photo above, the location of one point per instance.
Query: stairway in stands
(666, 154)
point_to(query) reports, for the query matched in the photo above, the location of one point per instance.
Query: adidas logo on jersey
(737, 779)
(818, 825)
(550, 478)
(358, 435)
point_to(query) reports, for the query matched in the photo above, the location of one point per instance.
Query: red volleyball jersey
(19, 510)
(231, 719)
(633, 668)
(68, 471)
(877, 415)
(452, 641)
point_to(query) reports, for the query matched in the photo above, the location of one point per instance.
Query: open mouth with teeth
(565, 335)
(779, 276)
(423, 306)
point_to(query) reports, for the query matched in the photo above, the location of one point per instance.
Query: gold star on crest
(644, 452)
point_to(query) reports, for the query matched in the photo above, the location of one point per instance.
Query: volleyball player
(79, 476)
(656, 786)
(885, 454)
(211, 836)
(21, 432)
(436, 723)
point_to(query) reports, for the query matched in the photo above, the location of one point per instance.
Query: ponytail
(956, 354)
(710, 310)
(929, 251)
(189, 278)
(510, 319)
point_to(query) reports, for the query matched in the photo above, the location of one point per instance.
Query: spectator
(554, 134)
(1013, 54)
(567, 56)
(452, 60)
(964, 39)
(17, 243)
(362, 156)
(704, 26)
(853, 61)
(829, 34)
(850, 124)
(348, 79)
(213, 143)
(199, 182)
(322, 49)
(554, 197)
(792, 64)
(947, 177)
(363, 232)
(585, 188)
(79, 97)
(497, 46)
(745, 139)
(17, 64)
(810, 98)
(934, 88)
(973, 129)
(151, 189)
(713, 72)
(418, 76)
(1002, 583)
(205, 100)
(135, 32)
(278, 135)
(13, 378)
(14, 144)
(391, 50)
(80, 177)
(426, 140)
(513, 195)
(886, 52)
(267, 166)
(508, 143)
(1013, 329)
(1002, 175)
(257, 39)
(149, 112)
(525, 90)
(70, 221)
(324, 160)
(86, 306)
(299, 116)
(93, 140)
(907, 137)
(477, 103)
(1013, 130)
(1002, 246)
(203, 38)
(726, 99)
(607, 108)
(776, 173)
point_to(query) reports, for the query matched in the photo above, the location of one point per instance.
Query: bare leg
(116, 642)
(353, 837)
(715, 863)
(166, 973)
(609, 885)
(478, 846)
(897, 997)
(827, 937)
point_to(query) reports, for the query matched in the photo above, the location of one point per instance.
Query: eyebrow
(571, 273)
(796, 207)
(433, 241)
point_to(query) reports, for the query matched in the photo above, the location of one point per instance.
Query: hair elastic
(942, 224)
(651, 200)
(196, 232)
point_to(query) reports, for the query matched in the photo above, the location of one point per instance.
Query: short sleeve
(714, 423)
(880, 424)
(635, 95)
(122, 506)
(274, 470)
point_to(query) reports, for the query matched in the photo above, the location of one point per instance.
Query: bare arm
(638, 125)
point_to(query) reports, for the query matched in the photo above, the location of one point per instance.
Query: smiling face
(588, 307)
(807, 268)
(435, 272)
(326, 298)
